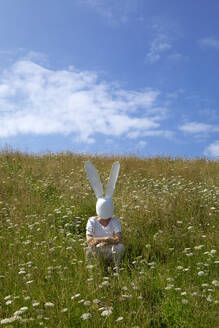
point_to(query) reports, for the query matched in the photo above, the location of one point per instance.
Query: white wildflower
(209, 298)
(198, 247)
(8, 320)
(126, 296)
(90, 266)
(26, 298)
(20, 311)
(87, 303)
(49, 304)
(201, 273)
(215, 283)
(168, 287)
(7, 297)
(75, 296)
(106, 312)
(119, 319)
(35, 304)
(184, 301)
(96, 301)
(85, 316)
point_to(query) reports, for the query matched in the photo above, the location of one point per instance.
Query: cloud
(158, 46)
(209, 43)
(150, 133)
(41, 101)
(141, 144)
(114, 11)
(196, 127)
(213, 149)
(163, 33)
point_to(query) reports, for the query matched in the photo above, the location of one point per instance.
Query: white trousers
(112, 253)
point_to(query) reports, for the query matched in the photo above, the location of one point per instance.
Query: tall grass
(169, 211)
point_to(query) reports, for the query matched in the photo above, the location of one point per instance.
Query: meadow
(168, 209)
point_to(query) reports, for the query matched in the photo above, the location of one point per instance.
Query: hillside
(168, 209)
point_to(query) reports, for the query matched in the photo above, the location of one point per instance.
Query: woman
(104, 239)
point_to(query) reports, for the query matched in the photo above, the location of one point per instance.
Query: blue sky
(110, 76)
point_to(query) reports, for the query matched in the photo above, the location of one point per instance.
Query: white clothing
(104, 251)
(112, 253)
(96, 229)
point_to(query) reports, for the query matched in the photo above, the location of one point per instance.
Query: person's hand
(110, 240)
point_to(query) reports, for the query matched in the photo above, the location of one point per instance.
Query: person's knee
(121, 247)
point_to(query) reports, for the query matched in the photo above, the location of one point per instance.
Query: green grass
(168, 209)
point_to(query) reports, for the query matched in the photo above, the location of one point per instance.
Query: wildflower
(20, 311)
(27, 298)
(8, 320)
(96, 301)
(64, 310)
(87, 303)
(201, 273)
(215, 283)
(126, 296)
(22, 272)
(184, 301)
(49, 304)
(198, 247)
(7, 297)
(85, 316)
(209, 298)
(105, 283)
(35, 304)
(119, 319)
(168, 287)
(148, 246)
(90, 266)
(189, 254)
(8, 302)
(106, 312)
(75, 296)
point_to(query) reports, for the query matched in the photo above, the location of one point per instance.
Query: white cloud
(114, 11)
(37, 100)
(209, 43)
(141, 144)
(213, 149)
(160, 44)
(196, 127)
(150, 133)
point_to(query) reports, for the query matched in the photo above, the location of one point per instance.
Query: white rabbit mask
(104, 206)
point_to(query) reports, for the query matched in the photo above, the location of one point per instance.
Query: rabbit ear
(94, 179)
(112, 179)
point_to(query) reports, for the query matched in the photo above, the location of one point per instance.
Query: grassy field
(168, 209)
